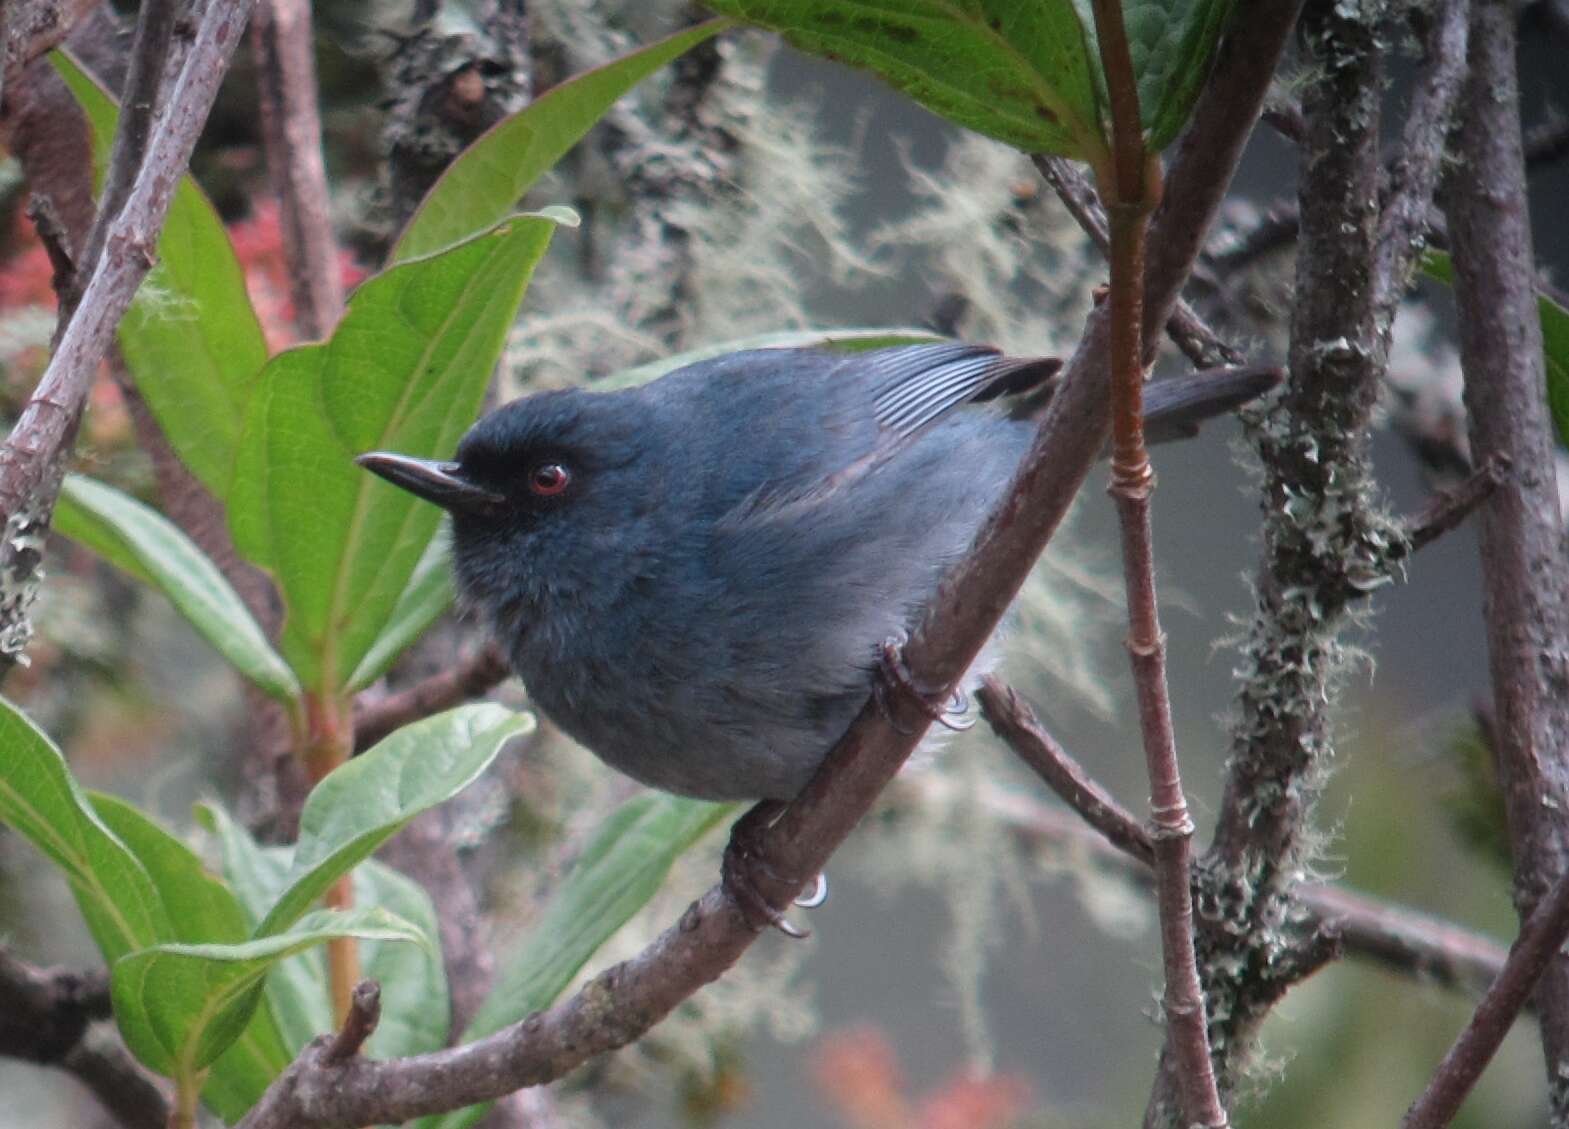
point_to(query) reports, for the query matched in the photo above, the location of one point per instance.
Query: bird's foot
(954, 713)
(743, 868)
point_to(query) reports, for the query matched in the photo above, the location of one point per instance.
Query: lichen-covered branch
(1325, 541)
(32, 458)
(1322, 541)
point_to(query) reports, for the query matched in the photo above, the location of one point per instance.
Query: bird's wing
(904, 391)
(914, 386)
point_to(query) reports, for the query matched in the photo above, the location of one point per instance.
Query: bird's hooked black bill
(439, 482)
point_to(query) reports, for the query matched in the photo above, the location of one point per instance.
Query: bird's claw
(743, 866)
(953, 714)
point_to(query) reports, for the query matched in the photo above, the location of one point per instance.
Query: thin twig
(1130, 180)
(1412, 179)
(1546, 143)
(1198, 342)
(291, 135)
(1540, 939)
(471, 677)
(34, 27)
(358, 1025)
(1403, 940)
(623, 1002)
(144, 83)
(1446, 509)
(1525, 603)
(1284, 116)
(1015, 722)
(1407, 940)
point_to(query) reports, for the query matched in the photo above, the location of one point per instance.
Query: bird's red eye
(549, 478)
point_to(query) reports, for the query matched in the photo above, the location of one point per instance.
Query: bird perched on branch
(696, 578)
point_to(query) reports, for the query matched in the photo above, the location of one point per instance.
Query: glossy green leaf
(179, 1006)
(488, 178)
(406, 370)
(1017, 70)
(153, 548)
(846, 340)
(429, 593)
(42, 802)
(415, 1003)
(1555, 347)
(1172, 43)
(1438, 266)
(622, 867)
(191, 338)
(297, 988)
(202, 909)
(363, 803)
(416, 1007)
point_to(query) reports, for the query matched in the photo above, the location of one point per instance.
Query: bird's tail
(1174, 407)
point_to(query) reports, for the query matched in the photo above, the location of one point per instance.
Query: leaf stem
(187, 1095)
(327, 742)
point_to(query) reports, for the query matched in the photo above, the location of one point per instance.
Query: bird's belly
(705, 736)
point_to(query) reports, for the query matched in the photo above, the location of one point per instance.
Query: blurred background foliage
(956, 978)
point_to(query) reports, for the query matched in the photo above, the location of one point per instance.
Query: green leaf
(488, 178)
(622, 867)
(406, 370)
(188, 1011)
(1555, 347)
(363, 803)
(202, 909)
(152, 548)
(416, 1008)
(179, 1006)
(1017, 70)
(43, 803)
(415, 1004)
(1438, 266)
(1172, 43)
(191, 338)
(296, 990)
(846, 340)
(428, 594)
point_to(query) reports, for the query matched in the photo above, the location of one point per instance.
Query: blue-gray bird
(694, 577)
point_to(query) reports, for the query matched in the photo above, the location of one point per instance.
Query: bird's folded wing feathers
(916, 385)
(908, 389)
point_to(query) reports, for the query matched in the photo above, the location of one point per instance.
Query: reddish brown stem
(1132, 192)
(327, 743)
(1015, 722)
